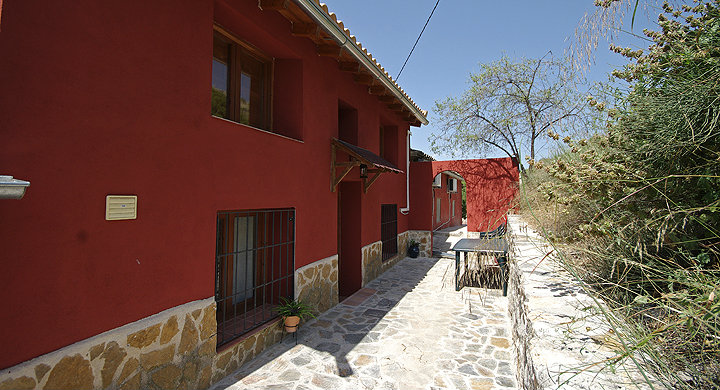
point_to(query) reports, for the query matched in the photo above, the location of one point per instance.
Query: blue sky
(464, 33)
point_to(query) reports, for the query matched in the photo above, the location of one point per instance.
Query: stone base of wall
(317, 284)
(172, 349)
(372, 264)
(424, 237)
(241, 351)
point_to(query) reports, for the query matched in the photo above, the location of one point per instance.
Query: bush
(639, 204)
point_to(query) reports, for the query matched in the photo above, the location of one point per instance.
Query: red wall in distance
(491, 185)
(106, 98)
(447, 219)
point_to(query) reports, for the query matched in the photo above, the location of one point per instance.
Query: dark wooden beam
(386, 98)
(395, 106)
(329, 51)
(364, 78)
(307, 30)
(348, 166)
(349, 66)
(274, 4)
(368, 183)
(377, 90)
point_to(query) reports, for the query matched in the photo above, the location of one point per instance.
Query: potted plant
(413, 249)
(292, 312)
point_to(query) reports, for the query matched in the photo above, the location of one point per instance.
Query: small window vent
(119, 207)
(437, 181)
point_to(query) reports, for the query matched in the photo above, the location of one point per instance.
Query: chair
(500, 231)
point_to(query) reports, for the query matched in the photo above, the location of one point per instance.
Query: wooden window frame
(239, 50)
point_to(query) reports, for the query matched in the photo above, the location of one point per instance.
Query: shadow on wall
(491, 186)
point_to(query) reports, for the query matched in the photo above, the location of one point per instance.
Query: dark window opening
(388, 231)
(389, 143)
(347, 123)
(254, 268)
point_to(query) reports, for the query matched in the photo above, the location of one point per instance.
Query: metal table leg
(457, 269)
(502, 260)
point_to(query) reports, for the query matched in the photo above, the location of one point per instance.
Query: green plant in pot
(292, 312)
(413, 249)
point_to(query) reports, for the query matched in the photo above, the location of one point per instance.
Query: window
(347, 123)
(254, 268)
(437, 181)
(438, 203)
(240, 82)
(388, 230)
(389, 143)
(452, 208)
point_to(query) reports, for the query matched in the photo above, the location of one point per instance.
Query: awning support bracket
(367, 183)
(357, 157)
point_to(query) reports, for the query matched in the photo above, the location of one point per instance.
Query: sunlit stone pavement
(414, 332)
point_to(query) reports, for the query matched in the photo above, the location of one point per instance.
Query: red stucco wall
(491, 187)
(447, 219)
(106, 98)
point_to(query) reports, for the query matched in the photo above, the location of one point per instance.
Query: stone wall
(522, 328)
(372, 264)
(172, 349)
(241, 351)
(317, 284)
(424, 237)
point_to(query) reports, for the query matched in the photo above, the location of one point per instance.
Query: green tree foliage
(218, 104)
(508, 106)
(642, 200)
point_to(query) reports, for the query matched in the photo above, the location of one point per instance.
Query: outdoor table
(498, 247)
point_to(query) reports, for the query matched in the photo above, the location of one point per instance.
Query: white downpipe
(405, 210)
(319, 16)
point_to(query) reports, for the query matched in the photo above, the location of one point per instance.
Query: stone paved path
(414, 332)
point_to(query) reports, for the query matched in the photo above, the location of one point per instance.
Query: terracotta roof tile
(342, 27)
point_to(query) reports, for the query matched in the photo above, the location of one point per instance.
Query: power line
(417, 40)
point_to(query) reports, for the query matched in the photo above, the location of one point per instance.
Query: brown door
(349, 248)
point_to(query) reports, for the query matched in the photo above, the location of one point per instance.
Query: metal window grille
(254, 268)
(388, 230)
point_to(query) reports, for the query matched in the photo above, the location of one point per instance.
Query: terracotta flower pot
(291, 324)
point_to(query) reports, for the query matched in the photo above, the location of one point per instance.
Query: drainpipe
(315, 12)
(405, 210)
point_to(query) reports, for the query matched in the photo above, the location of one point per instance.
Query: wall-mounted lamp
(363, 171)
(12, 188)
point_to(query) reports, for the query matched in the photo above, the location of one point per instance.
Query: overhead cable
(417, 40)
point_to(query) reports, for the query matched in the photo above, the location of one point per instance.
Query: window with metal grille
(254, 268)
(388, 230)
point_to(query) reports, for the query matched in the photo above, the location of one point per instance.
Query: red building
(490, 184)
(190, 163)
(446, 200)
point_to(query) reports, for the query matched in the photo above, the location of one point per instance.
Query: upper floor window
(389, 143)
(240, 82)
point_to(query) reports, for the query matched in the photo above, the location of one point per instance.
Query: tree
(509, 105)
